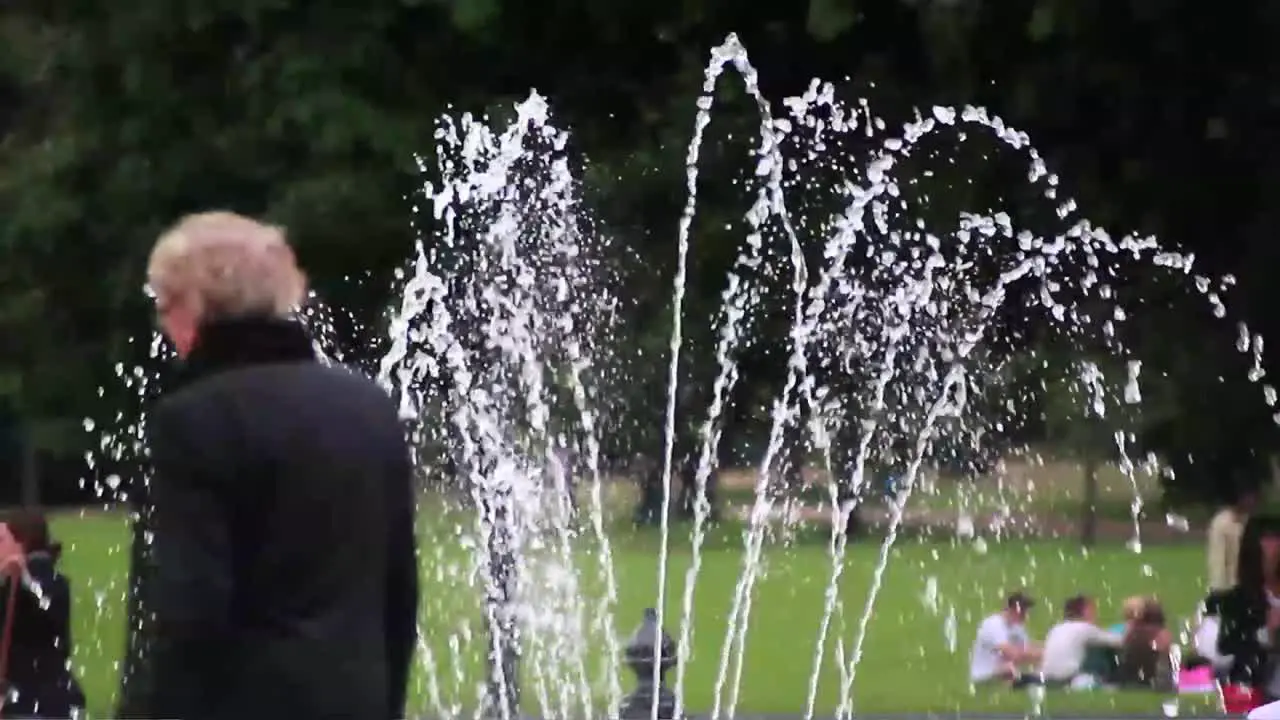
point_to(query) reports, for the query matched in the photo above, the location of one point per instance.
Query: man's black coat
(285, 581)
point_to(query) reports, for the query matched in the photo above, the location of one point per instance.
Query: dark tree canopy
(118, 118)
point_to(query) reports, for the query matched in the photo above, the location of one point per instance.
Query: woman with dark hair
(1250, 612)
(37, 656)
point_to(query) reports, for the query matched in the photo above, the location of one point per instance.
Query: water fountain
(500, 348)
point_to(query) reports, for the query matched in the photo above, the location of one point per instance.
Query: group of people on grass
(1077, 652)
(1235, 643)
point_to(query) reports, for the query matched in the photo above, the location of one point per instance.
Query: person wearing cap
(1002, 649)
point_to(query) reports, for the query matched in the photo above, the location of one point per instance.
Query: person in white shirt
(1068, 643)
(1002, 649)
(1206, 635)
(1223, 540)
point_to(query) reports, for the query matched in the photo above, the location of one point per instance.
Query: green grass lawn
(910, 662)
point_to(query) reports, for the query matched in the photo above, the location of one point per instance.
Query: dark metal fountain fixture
(649, 646)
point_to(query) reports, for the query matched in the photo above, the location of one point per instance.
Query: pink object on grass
(1197, 681)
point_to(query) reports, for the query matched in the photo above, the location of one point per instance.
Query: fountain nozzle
(649, 646)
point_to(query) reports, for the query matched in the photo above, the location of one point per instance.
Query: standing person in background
(286, 579)
(1224, 539)
(1250, 612)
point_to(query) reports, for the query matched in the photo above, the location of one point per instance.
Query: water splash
(491, 334)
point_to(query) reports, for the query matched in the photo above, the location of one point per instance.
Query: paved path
(1001, 525)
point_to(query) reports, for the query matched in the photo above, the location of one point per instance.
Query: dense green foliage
(117, 118)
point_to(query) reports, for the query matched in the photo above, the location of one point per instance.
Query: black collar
(234, 343)
(45, 557)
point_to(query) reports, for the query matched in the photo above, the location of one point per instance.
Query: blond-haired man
(286, 580)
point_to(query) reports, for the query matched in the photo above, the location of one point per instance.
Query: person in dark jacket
(38, 678)
(286, 578)
(1250, 612)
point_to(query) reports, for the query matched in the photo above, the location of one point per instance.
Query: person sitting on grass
(1068, 644)
(1206, 638)
(1144, 656)
(37, 667)
(1002, 650)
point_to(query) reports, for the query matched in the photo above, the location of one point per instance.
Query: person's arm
(1271, 624)
(1018, 654)
(1015, 652)
(992, 638)
(193, 579)
(1029, 653)
(1205, 640)
(402, 591)
(1105, 638)
(44, 601)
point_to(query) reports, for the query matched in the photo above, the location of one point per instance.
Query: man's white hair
(228, 265)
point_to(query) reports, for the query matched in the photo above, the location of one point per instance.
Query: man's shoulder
(1079, 627)
(302, 395)
(318, 377)
(993, 624)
